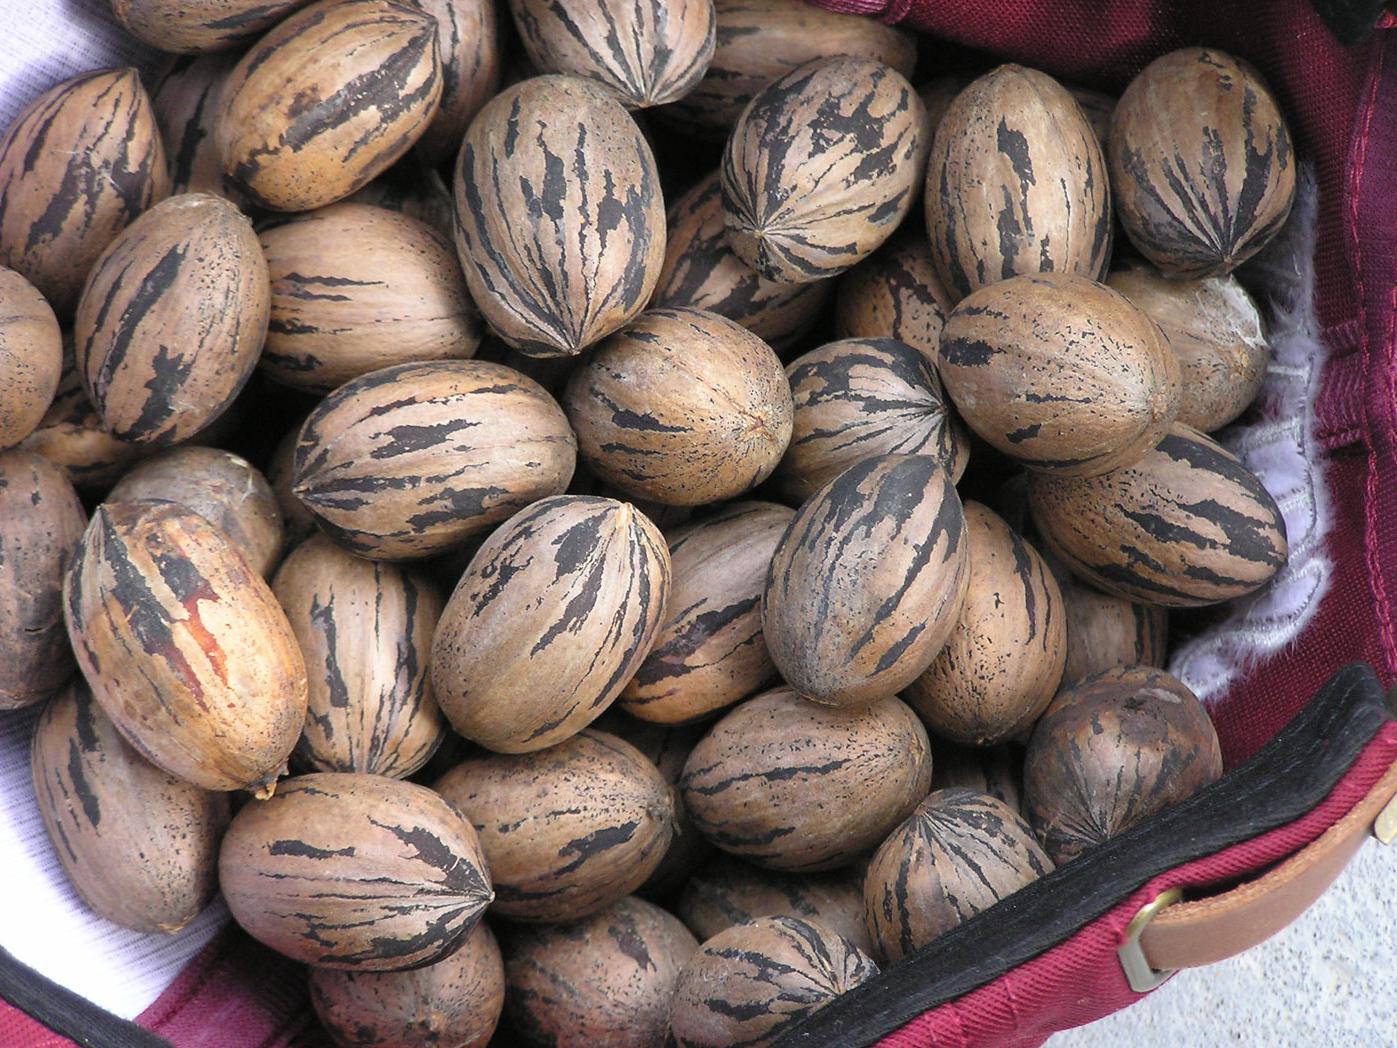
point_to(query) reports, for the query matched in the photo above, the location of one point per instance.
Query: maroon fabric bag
(1343, 106)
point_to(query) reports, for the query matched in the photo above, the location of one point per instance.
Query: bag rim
(1287, 783)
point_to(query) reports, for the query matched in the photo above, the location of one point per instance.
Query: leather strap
(1191, 934)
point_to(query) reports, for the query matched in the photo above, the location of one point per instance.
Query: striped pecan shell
(683, 407)
(31, 357)
(41, 522)
(297, 518)
(355, 872)
(172, 319)
(355, 288)
(413, 189)
(1061, 373)
(612, 975)
(997, 771)
(1202, 163)
(709, 652)
(1004, 660)
(727, 891)
(139, 846)
(701, 271)
(1016, 184)
(1215, 330)
(1105, 631)
(186, 107)
(794, 786)
(866, 584)
(1097, 107)
(73, 437)
(958, 854)
(862, 397)
(1185, 526)
(365, 629)
(76, 167)
(748, 984)
(469, 40)
(1112, 751)
(895, 294)
(759, 41)
(821, 168)
(223, 488)
(185, 646)
(549, 621)
(327, 100)
(667, 749)
(454, 1001)
(649, 52)
(194, 26)
(560, 222)
(410, 460)
(568, 830)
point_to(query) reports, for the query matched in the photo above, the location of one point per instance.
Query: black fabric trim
(1349, 20)
(1294, 772)
(67, 1014)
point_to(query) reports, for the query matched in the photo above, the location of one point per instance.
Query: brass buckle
(1385, 828)
(1138, 973)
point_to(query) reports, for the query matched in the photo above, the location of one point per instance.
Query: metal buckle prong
(1138, 973)
(1385, 828)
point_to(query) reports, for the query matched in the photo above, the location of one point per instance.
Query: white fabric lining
(42, 921)
(1281, 448)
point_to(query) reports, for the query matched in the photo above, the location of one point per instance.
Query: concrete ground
(1329, 981)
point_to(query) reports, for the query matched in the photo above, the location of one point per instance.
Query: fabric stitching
(1371, 535)
(1013, 1005)
(1341, 399)
(210, 965)
(897, 11)
(961, 1030)
(286, 1032)
(1386, 626)
(1359, 155)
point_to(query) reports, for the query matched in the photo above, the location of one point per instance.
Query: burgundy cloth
(17, 1030)
(1340, 102)
(235, 994)
(1081, 980)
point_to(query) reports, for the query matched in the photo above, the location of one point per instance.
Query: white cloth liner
(42, 921)
(44, 924)
(1281, 449)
